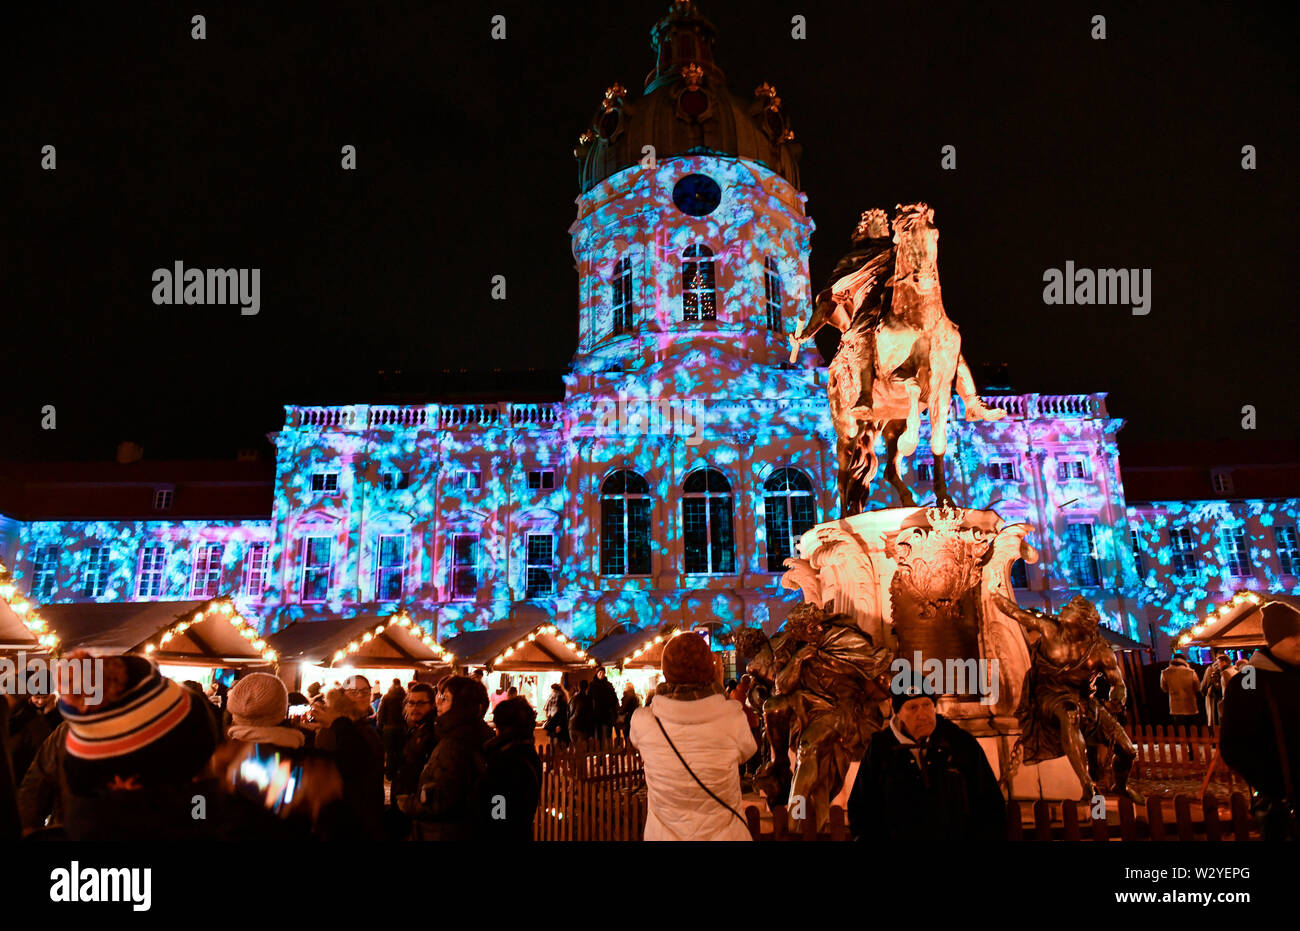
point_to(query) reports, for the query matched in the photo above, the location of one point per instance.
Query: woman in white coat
(692, 742)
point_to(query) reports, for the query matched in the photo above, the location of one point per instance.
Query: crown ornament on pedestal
(945, 518)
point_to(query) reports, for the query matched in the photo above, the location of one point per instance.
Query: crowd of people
(155, 758)
(447, 761)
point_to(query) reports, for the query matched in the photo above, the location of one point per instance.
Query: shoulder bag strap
(692, 772)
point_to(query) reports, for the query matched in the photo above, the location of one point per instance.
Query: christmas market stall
(23, 627)
(530, 657)
(380, 647)
(634, 656)
(187, 639)
(1235, 627)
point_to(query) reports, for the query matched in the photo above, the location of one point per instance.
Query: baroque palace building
(678, 467)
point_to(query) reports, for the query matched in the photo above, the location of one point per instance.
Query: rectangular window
(390, 570)
(464, 566)
(622, 295)
(149, 578)
(325, 482)
(1288, 553)
(393, 480)
(466, 478)
(162, 499)
(1004, 470)
(772, 293)
(206, 578)
(541, 479)
(255, 570)
(45, 566)
(1083, 554)
(1070, 469)
(1136, 542)
(540, 572)
(1236, 551)
(96, 577)
(1222, 483)
(317, 562)
(1183, 556)
(924, 471)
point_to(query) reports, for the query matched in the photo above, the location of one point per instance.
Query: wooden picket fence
(783, 829)
(1167, 752)
(590, 796)
(1071, 821)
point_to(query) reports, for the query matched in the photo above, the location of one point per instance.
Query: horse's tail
(865, 462)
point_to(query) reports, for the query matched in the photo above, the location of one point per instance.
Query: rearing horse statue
(899, 355)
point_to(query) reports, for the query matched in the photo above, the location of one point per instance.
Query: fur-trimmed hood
(687, 691)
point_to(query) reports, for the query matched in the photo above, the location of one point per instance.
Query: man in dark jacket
(358, 752)
(451, 804)
(1260, 735)
(604, 707)
(28, 728)
(923, 779)
(392, 726)
(582, 716)
(40, 794)
(513, 783)
(418, 741)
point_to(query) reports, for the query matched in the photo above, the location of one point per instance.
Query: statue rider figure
(855, 299)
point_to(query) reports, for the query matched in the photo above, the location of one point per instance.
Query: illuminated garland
(224, 605)
(1187, 636)
(548, 630)
(27, 611)
(645, 647)
(401, 619)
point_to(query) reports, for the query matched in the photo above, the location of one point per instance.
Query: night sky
(225, 153)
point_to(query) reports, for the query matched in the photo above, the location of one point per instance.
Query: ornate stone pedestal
(919, 581)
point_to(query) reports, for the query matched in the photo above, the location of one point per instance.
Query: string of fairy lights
(548, 630)
(27, 611)
(224, 606)
(1187, 636)
(646, 647)
(400, 619)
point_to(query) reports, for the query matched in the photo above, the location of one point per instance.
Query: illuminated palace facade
(684, 460)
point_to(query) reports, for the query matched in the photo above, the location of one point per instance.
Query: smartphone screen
(273, 778)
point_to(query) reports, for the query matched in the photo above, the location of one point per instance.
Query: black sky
(225, 153)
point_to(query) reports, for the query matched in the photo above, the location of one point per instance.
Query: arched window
(625, 525)
(790, 511)
(698, 300)
(621, 298)
(706, 523)
(772, 294)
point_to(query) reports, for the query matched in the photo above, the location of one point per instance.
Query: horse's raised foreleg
(975, 409)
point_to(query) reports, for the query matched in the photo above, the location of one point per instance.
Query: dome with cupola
(685, 108)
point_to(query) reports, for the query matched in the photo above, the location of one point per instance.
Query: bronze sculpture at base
(1059, 711)
(826, 679)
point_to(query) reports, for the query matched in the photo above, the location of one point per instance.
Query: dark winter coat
(955, 800)
(604, 702)
(557, 717)
(40, 794)
(1248, 737)
(28, 728)
(9, 825)
(630, 703)
(390, 709)
(513, 786)
(451, 804)
(417, 745)
(359, 754)
(582, 714)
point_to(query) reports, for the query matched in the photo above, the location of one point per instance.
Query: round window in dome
(697, 195)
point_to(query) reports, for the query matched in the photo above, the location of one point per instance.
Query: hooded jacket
(451, 800)
(711, 733)
(1248, 737)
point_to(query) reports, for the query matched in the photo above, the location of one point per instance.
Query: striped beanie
(156, 732)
